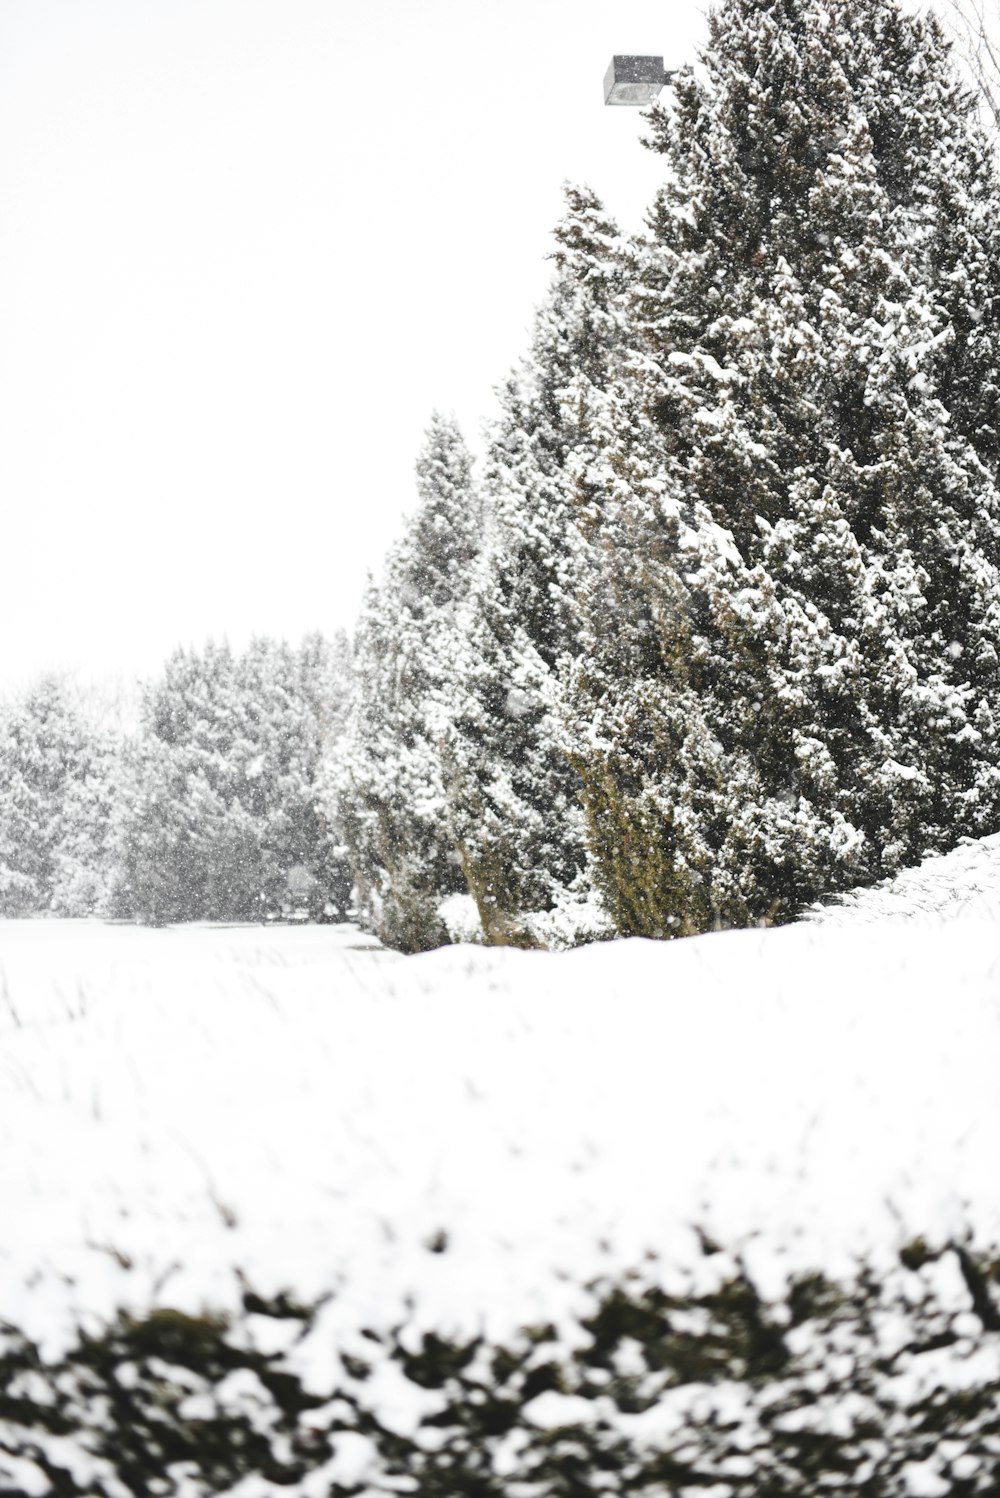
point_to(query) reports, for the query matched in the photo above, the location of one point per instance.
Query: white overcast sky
(246, 246)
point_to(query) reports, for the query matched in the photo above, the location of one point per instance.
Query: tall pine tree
(387, 796)
(513, 795)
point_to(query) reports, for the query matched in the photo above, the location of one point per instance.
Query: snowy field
(475, 1133)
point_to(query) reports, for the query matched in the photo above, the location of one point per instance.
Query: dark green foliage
(833, 1386)
(131, 1384)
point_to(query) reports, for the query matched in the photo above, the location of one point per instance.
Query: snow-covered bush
(886, 1385)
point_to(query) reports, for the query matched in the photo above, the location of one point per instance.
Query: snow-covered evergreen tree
(513, 796)
(327, 687)
(224, 802)
(388, 799)
(791, 677)
(57, 774)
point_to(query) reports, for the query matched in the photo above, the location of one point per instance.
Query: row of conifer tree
(715, 631)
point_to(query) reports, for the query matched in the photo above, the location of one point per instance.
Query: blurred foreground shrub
(885, 1385)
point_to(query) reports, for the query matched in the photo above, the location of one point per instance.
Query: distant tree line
(714, 632)
(209, 808)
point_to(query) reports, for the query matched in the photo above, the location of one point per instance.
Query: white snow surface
(185, 1108)
(964, 882)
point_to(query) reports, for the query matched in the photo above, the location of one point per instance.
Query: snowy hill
(461, 1143)
(965, 882)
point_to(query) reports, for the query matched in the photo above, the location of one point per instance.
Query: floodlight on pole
(634, 80)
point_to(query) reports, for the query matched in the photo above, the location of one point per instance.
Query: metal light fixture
(634, 80)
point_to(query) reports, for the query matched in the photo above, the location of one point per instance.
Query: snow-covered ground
(182, 1108)
(965, 882)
